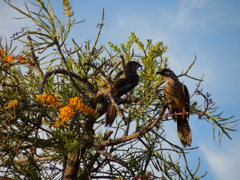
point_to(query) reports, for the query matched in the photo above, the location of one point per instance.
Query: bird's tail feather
(111, 114)
(184, 131)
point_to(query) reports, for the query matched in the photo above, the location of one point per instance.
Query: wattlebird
(178, 102)
(122, 85)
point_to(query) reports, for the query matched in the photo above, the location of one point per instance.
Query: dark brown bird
(178, 101)
(122, 85)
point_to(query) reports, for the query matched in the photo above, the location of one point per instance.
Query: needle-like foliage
(54, 96)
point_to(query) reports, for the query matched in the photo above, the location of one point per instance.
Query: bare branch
(34, 58)
(141, 132)
(106, 78)
(100, 26)
(123, 64)
(62, 71)
(24, 160)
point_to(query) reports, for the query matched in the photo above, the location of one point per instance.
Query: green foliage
(33, 147)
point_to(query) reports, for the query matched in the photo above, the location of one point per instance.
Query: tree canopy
(54, 95)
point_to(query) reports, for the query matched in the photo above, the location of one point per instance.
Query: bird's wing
(124, 85)
(186, 97)
(184, 131)
(111, 114)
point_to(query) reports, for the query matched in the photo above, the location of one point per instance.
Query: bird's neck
(171, 81)
(131, 71)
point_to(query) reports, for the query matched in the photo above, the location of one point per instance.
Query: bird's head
(132, 66)
(167, 74)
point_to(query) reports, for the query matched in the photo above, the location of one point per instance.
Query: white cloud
(187, 6)
(224, 164)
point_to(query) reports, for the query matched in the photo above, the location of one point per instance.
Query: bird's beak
(139, 66)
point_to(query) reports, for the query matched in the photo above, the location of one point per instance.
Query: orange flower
(87, 110)
(8, 58)
(66, 112)
(49, 99)
(11, 104)
(21, 58)
(2, 51)
(74, 102)
(59, 123)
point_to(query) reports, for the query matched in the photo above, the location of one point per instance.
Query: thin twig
(123, 64)
(106, 78)
(24, 160)
(34, 57)
(114, 67)
(62, 71)
(188, 69)
(100, 26)
(113, 157)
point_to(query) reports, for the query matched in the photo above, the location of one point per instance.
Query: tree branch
(123, 64)
(106, 78)
(34, 57)
(122, 139)
(24, 160)
(62, 71)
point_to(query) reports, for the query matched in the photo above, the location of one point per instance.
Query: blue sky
(208, 28)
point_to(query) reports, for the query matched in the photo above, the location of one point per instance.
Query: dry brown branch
(135, 135)
(24, 160)
(34, 58)
(62, 71)
(106, 78)
(123, 64)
